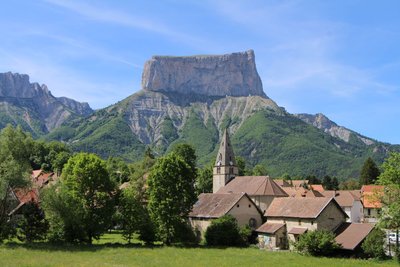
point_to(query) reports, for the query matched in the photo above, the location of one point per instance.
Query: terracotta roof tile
(350, 235)
(254, 186)
(302, 192)
(270, 228)
(298, 207)
(370, 195)
(317, 187)
(214, 205)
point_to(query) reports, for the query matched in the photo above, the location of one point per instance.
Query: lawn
(102, 254)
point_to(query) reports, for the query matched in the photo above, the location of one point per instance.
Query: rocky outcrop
(324, 123)
(211, 75)
(33, 105)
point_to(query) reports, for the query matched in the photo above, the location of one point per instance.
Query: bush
(317, 243)
(373, 246)
(224, 231)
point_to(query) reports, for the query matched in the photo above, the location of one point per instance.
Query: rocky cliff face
(324, 123)
(224, 75)
(33, 106)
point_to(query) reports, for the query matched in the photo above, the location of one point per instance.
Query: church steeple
(225, 167)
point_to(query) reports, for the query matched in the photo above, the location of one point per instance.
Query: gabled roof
(351, 235)
(225, 156)
(215, 205)
(254, 186)
(270, 228)
(299, 207)
(345, 198)
(282, 183)
(298, 230)
(370, 195)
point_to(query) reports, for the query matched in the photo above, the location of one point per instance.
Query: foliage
(259, 170)
(369, 172)
(15, 148)
(351, 184)
(171, 195)
(50, 156)
(312, 179)
(134, 217)
(223, 231)
(330, 183)
(373, 245)
(118, 170)
(390, 178)
(204, 182)
(86, 193)
(33, 225)
(187, 153)
(242, 166)
(317, 243)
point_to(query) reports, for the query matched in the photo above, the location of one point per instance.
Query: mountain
(33, 106)
(193, 99)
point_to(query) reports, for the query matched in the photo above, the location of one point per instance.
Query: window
(312, 222)
(249, 206)
(218, 170)
(230, 170)
(369, 212)
(299, 222)
(237, 205)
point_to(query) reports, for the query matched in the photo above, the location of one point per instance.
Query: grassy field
(101, 254)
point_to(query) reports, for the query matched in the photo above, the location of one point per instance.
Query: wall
(330, 218)
(245, 212)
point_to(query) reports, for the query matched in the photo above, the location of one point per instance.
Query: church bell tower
(225, 168)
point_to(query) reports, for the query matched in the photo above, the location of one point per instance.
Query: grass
(112, 251)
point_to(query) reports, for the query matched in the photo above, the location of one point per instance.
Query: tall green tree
(85, 192)
(33, 225)
(204, 181)
(260, 170)
(171, 195)
(390, 178)
(369, 172)
(134, 217)
(188, 154)
(327, 182)
(15, 148)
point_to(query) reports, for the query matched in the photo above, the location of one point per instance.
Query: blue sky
(340, 58)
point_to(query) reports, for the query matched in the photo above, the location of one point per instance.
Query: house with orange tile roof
(370, 196)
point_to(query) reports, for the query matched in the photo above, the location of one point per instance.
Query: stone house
(350, 202)
(291, 217)
(212, 206)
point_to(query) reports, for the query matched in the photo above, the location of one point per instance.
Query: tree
(86, 193)
(335, 184)
(312, 179)
(223, 231)
(204, 180)
(118, 170)
(188, 154)
(171, 195)
(351, 184)
(33, 225)
(15, 148)
(369, 172)
(260, 170)
(134, 217)
(373, 245)
(327, 182)
(242, 167)
(317, 243)
(390, 178)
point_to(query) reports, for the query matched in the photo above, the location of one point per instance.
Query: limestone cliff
(33, 106)
(211, 75)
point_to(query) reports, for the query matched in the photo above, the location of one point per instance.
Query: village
(280, 211)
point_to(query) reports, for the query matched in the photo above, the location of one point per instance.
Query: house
(350, 202)
(351, 236)
(370, 196)
(299, 215)
(261, 189)
(212, 206)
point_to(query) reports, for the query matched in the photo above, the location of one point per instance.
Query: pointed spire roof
(225, 156)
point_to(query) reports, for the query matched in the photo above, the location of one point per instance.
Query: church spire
(225, 156)
(225, 168)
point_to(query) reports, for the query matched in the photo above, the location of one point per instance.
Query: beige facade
(262, 202)
(371, 215)
(222, 175)
(329, 219)
(274, 241)
(244, 211)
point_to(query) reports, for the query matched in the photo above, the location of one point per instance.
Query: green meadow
(111, 250)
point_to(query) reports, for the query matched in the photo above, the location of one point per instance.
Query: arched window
(252, 223)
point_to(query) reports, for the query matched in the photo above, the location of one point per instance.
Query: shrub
(223, 231)
(373, 245)
(317, 243)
